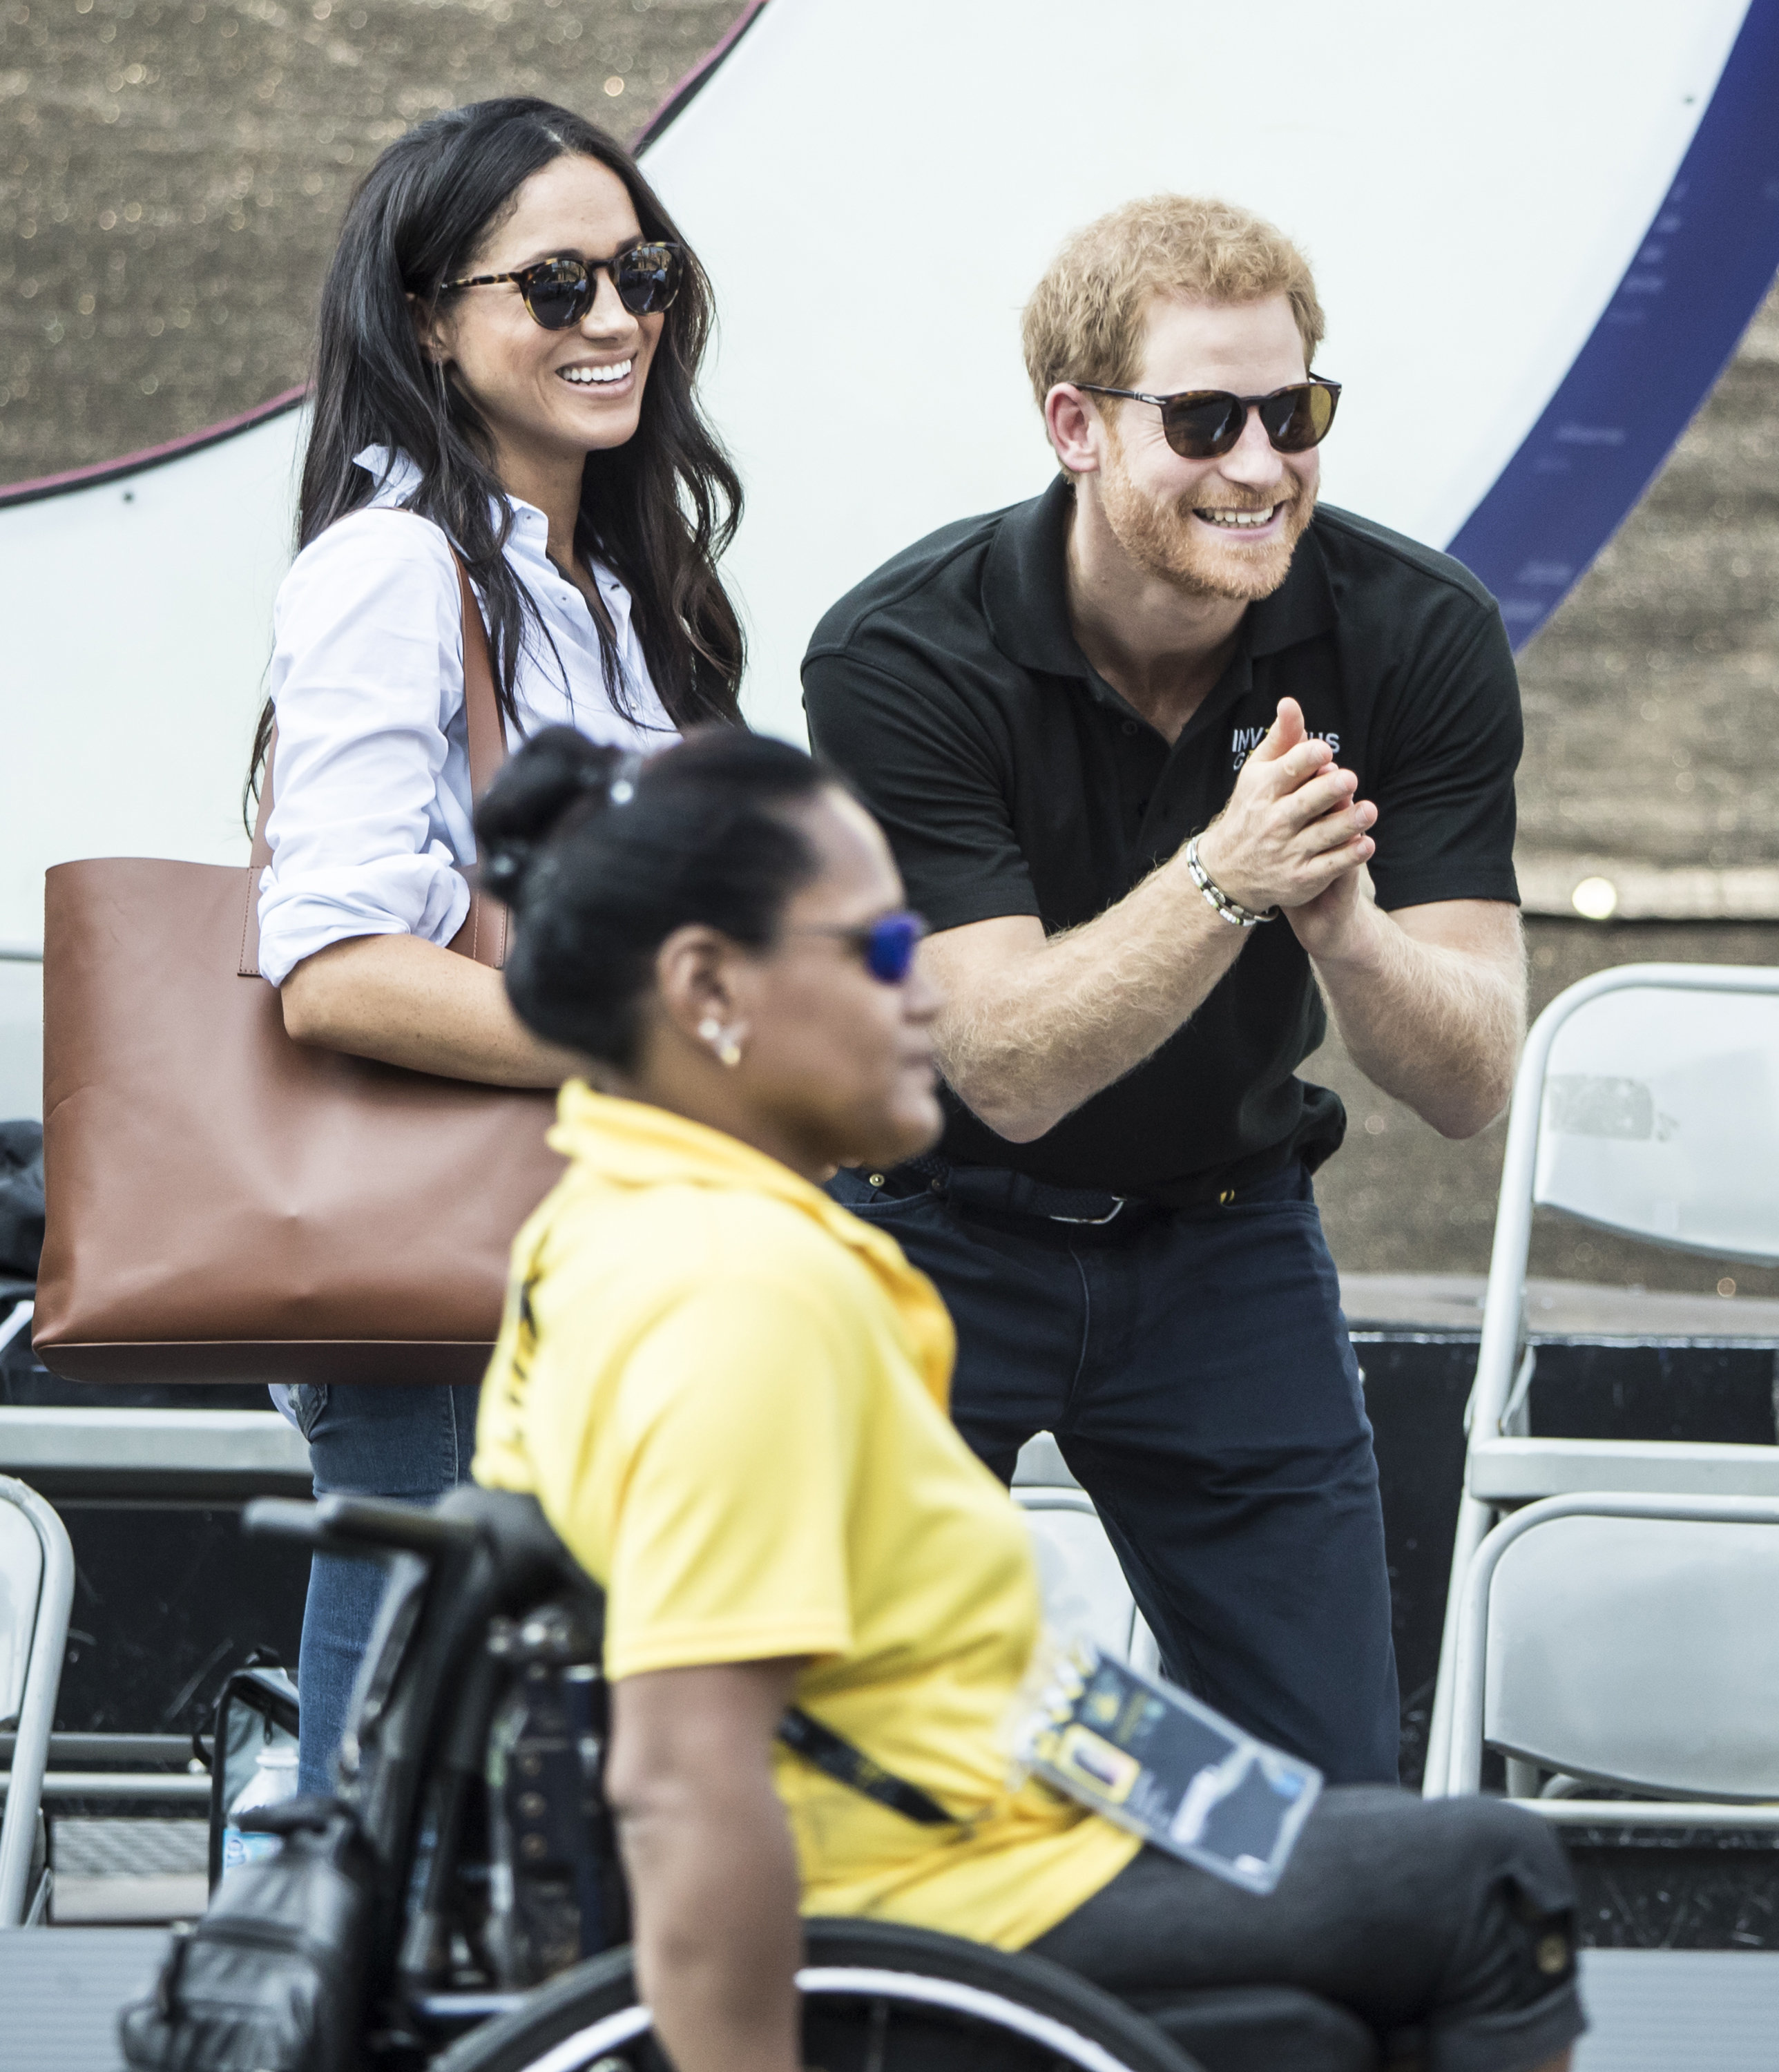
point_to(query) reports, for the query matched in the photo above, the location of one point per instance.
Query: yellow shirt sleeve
(722, 1496)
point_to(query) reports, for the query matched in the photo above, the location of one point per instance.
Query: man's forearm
(1437, 1027)
(1035, 1027)
(1027, 1040)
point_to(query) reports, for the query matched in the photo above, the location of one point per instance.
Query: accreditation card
(1151, 1757)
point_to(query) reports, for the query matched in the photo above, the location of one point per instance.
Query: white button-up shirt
(372, 809)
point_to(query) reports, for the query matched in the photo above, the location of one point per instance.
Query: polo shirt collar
(1025, 596)
(1024, 585)
(1302, 607)
(634, 1143)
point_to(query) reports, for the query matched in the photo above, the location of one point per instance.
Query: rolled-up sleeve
(366, 831)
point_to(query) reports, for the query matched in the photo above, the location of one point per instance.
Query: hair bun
(554, 773)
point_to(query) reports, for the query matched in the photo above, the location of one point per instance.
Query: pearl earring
(720, 1040)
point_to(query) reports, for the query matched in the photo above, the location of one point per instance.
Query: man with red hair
(1174, 761)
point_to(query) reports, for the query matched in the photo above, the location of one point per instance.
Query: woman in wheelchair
(728, 1397)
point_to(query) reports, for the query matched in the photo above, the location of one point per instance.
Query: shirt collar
(397, 477)
(1026, 592)
(633, 1144)
(1024, 585)
(1302, 607)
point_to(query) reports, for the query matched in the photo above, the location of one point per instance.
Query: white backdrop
(139, 618)
(875, 185)
(1470, 184)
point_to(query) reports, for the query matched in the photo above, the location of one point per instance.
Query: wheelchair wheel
(877, 1997)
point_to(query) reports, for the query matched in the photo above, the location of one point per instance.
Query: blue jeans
(411, 1443)
(1195, 1368)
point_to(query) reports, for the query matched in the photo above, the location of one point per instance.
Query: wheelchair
(499, 1933)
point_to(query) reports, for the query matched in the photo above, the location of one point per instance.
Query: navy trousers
(1195, 1368)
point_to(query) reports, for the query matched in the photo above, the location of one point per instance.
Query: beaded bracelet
(1225, 908)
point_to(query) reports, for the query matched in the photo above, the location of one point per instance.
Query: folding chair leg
(1475, 1520)
(43, 1680)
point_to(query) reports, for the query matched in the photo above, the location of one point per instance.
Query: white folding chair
(36, 1596)
(1627, 1642)
(1647, 1103)
(1084, 1589)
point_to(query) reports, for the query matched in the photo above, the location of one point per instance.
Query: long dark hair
(601, 856)
(658, 510)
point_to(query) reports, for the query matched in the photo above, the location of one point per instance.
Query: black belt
(1003, 1192)
(995, 1188)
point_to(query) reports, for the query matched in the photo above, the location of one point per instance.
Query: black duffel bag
(273, 1979)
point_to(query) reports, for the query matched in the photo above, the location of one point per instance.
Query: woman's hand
(405, 1001)
(708, 1853)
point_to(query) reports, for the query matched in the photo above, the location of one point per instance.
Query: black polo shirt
(1012, 779)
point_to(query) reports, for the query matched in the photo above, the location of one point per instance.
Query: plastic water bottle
(275, 1778)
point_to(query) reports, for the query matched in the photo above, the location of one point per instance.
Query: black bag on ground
(273, 1979)
(21, 1242)
(21, 1203)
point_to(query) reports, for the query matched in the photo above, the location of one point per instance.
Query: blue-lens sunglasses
(887, 946)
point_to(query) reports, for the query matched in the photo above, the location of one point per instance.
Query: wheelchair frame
(412, 1771)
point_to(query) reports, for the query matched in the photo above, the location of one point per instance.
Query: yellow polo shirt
(729, 1396)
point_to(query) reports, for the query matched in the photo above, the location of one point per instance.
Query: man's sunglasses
(887, 946)
(1200, 424)
(560, 292)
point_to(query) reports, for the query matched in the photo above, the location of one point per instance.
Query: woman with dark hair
(509, 339)
(728, 1395)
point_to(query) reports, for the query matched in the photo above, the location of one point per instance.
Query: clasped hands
(1294, 835)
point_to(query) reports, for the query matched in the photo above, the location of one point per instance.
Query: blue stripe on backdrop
(1651, 361)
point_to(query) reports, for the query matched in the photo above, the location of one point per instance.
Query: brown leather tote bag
(225, 1204)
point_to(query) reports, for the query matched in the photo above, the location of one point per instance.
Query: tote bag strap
(483, 934)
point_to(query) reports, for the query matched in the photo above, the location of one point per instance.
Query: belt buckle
(1094, 1223)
